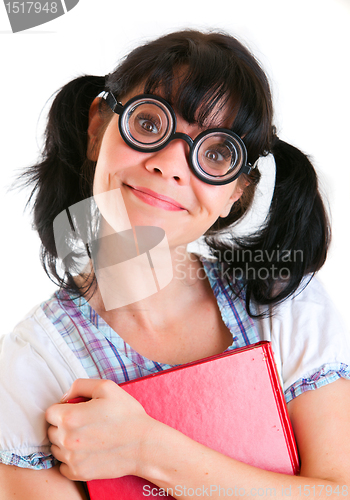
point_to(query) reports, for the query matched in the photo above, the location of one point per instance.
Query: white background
(302, 44)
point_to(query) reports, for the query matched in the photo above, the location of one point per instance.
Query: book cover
(232, 403)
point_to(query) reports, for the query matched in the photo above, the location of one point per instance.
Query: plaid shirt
(104, 354)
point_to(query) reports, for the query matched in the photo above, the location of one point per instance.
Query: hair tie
(255, 164)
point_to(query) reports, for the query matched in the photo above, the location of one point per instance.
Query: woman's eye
(218, 155)
(148, 124)
(213, 155)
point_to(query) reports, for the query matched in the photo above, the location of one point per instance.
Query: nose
(171, 162)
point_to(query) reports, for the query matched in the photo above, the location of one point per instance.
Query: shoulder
(309, 338)
(36, 369)
(37, 336)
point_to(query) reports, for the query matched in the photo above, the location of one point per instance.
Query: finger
(53, 415)
(80, 388)
(52, 433)
(57, 453)
(67, 471)
(88, 388)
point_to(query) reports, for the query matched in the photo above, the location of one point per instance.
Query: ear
(237, 193)
(96, 123)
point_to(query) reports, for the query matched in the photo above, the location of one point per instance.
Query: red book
(232, 403)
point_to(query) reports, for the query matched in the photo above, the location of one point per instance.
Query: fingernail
(64, 398)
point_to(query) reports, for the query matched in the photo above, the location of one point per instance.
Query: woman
(172, 141)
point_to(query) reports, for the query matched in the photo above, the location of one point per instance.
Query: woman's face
(159, 189)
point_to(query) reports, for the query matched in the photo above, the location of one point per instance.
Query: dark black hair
(291, 244)
(197, 73)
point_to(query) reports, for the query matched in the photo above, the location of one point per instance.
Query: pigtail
(64, 174)
(297, 215)
(270, 264)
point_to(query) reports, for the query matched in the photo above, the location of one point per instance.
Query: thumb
(82, 390)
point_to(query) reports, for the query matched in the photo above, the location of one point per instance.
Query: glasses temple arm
(112, 102)
(248, 168)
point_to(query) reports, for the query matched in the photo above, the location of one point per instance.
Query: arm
(27, 484)
(144, 447)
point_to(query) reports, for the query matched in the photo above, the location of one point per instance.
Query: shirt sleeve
(309, 339)
(34, 374)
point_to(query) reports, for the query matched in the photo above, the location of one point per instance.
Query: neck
(150, 278)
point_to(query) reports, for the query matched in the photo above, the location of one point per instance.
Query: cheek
(217, 199)
(110, 145)
(102, 173)
(114, 157)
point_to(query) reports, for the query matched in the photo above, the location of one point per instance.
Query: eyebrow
(214, 122)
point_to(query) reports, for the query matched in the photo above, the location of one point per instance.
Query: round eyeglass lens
(219, 155)
(147, 123)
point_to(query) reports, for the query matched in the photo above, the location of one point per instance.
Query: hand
(101, 438)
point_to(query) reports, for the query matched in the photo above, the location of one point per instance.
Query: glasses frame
(194, 144)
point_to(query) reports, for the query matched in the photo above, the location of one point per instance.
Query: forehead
(196, 95)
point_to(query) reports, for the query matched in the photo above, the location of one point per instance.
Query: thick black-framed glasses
(147, 123)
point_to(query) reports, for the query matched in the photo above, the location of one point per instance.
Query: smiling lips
(155, 199)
